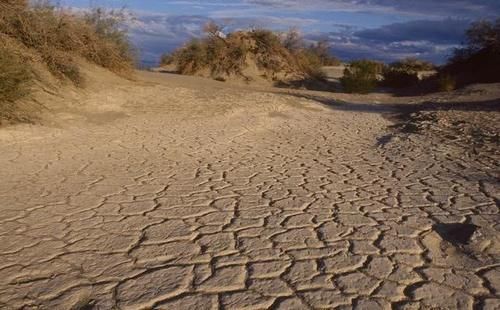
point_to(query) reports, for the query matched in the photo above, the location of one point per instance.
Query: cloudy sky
(381, 29)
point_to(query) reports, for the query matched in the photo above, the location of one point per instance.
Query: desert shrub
(167, 59)
(413, 65)
(404, 73)
(399, 78)
(265, 40)
(15, 76)
(361, 76)
(293, 40)
(220, 55)
(111, 48)
(62, 65)
(311, 63)
(479, 60)
(58, 39)
(278, 53)
(216, 55)
(59, 36)
(226, 56)
(192, 57)
(321, 50)
(270, 53)
(446, 83)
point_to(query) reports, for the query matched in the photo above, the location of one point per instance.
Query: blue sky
(382, 29)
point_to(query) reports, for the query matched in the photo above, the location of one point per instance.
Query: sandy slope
(181, 193)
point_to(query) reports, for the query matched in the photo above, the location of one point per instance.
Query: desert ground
(175, 192)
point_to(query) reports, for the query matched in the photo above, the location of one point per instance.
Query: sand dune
(175, 192)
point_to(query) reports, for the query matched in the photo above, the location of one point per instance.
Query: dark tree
(479, 60)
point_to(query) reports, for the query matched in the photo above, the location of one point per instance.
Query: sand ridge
(214, 197)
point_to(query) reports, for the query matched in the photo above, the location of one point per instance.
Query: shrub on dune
(219, 56)
(15, 77)
(59, 36)
(57, 39)
(361, 76)
(191, 57)
(405, 73)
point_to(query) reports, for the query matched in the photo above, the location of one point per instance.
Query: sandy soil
(175, 192)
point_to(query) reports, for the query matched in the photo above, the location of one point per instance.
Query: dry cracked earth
(170, 196)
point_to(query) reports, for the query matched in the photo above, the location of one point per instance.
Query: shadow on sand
(399, 111)
(310, 84)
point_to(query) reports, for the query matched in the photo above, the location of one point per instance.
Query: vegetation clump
(361, 76)
(15, 77)
(236, 54)
(479, 60)
(405, 73)
(446, 82)
(57, 39)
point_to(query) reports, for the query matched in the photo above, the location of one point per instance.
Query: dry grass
(57, 39)
(446, 83)
(224, 56)
(59, 36)
(15, 77)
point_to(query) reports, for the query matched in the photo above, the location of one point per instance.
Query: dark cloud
(389, 53)
(448, 31)
(432, 39)
(427, 39)
(463, 8)
(155, 34)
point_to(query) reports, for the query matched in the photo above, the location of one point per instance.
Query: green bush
(361, 76)
(400, 78)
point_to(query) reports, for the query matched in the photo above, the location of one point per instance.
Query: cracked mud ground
(206, 197)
